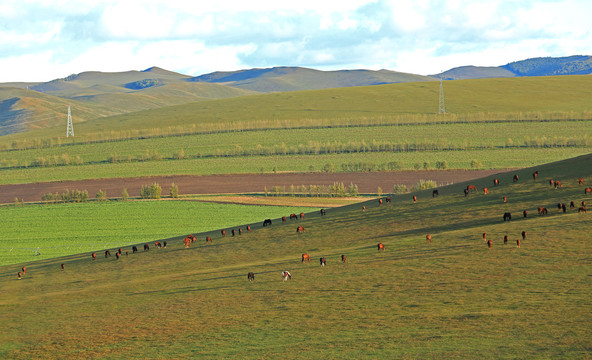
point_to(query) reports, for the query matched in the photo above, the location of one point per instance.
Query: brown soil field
(239, 183)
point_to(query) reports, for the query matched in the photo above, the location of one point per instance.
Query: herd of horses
(286, 275)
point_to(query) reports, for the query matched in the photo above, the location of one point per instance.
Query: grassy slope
(451, 299)
(356, 105)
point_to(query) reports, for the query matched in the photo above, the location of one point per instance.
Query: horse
(534, 175)
(248, 228)
(187, 242)
(466, 192)
(484, 236)
(63, 266)
(24, 269)
(20, 275)
(507, 216)
(117, 255)
(523, 235)
(489, 243)
(429, 238)
(558, 184)
(551, 182)
(134, 249)
(380, 247)
(343, 259)
(251, 276)
(208, 239)
(388, 200)
(581, 181)
(495, 182)
(505, 199)
(300, 229)
(582, 210)
(266, 222)
(293, 216)
(572, 205)
(414, 198)
(286, 275)
(302, 215)
(485, 191)
(379, 202)
(94, 256)
(525, 213)
(515, 178)
(232, 232)
(223, 232)
(107, 253)
(322, 261)
(146, 247)
(284, 219)
(158, 244)
(305, 257)
(434, 193)
(363, 208)
(587, 190)
(323, 212)
(505, 239)
(542, 211)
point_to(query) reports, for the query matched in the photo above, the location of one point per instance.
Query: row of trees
(337, 189)
(152, 191)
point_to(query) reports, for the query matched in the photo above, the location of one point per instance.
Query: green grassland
(65, 229)
(453, 298)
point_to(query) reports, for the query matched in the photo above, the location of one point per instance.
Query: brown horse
(251, 276)
(542, 210)
(300, 229)
(429, 238)
(489, 243)
(284, 219)
(305, 257)
(388, 200)
(379, 201)
(248, 228)
(587, 190)
(24, 269)
(515, 178)
(293, 216)
(505, 239)
(380, 247)
(94, 256)
(581, 181)
(223, 232)
(343, 260)
(582, 210)
(286, 275)
(414, 198)
(322, 261)
(558, 184)
(471, 187)
(187, 242)
(485, 191)
(323, 212)
(495, 182)
(302, 215)
(534, 175)
(208, 239)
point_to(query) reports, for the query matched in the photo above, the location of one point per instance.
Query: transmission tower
(69, 128)
(441, 107)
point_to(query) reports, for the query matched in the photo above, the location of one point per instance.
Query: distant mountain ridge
(542, 66)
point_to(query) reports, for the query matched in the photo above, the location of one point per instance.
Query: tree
(124, 194)
(101, 195)
(174, 191)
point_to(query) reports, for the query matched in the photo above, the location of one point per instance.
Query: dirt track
(241, 183)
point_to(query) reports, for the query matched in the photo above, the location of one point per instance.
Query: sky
(49, 39)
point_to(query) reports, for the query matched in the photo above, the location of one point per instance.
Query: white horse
(286, 275)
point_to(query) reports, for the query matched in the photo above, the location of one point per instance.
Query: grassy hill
(452, 298)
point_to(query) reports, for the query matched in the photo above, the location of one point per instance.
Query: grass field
(452, 298)
(55, 230)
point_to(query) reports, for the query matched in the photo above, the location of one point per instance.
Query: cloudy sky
(48, 39)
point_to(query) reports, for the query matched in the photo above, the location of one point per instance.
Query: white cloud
(42, 40)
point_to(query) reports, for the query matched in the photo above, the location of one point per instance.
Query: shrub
(441, 165)
(379, 191)
(124, 195)
(425, 184)
(174, 191)
(152, 191)
(400, 189)
(476, 164)
(101, 195)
